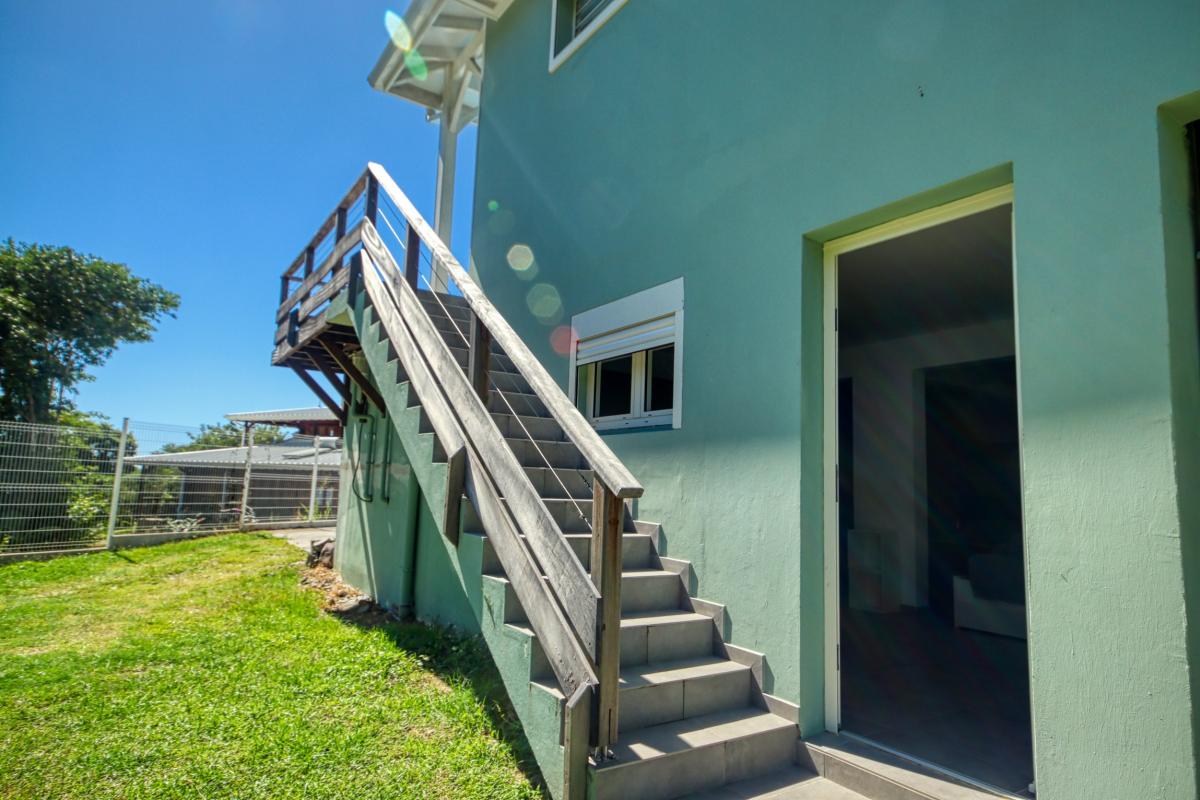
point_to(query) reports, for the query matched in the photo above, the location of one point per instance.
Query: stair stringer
(403, 407)
(516, 654)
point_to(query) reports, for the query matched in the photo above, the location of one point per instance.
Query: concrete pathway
(304, 537)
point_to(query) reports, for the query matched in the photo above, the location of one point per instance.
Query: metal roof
(434, 58)
(285, 416)
(296, 453)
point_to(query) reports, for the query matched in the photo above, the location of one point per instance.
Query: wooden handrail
(576, 615)
(487, 480)
(599, 456)
(572, 585)
(328, 225)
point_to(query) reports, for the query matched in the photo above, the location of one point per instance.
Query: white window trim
(653, 303)
(557, 59)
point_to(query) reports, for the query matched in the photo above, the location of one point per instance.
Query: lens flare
(543, 300)
(493, 206)
(416, 65)
(520, 257)
(398, 31)
(561, 339)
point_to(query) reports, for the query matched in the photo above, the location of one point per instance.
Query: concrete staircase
(690, 718)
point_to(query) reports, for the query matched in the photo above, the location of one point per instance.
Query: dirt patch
(343, 600)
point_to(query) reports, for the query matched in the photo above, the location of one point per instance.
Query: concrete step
(641, 591)
(520, 403)
(650, 590)
(542, 453)
(571, 516)
(695, 754)
(659, 636)
(445, 304)
(661, 692)
(452, 300)
(558, 484)
(508, 382)
(636, 552)
(522, 427)
(881, 775)
(790, 783)
(497, 363)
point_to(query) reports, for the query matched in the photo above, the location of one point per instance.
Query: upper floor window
(574, 22)
(627, 357)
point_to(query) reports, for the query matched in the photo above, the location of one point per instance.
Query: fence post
(246, 475)
(110, 542)
(312, 488)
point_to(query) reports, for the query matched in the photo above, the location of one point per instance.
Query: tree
(225, 434)
(62, 312)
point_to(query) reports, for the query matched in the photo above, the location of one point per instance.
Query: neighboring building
(920, 471)
(294, 480)
(316, 421)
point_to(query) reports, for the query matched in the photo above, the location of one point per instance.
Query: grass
(203, 669)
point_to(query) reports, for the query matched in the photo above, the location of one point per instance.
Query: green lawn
(203, 669)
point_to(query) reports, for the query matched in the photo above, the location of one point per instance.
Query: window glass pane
(614, 392)
(660, 378)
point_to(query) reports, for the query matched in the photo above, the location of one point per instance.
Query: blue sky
(201, 144)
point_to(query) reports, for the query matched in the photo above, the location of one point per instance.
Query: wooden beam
(352, 372)
(459, 22)
(342, 386)
(321, 394)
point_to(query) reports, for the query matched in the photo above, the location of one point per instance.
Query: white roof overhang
(436, 59)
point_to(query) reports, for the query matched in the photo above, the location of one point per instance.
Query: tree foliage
(61, 313)
(225, 434)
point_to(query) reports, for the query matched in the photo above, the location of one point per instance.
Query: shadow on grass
(459, 661)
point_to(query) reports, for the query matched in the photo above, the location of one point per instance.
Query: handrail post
(576, 723)
(339, 234)
(607, 522)
(480, 358)
(285, 286)
(309, 254)
(412, 257)
(372, 209)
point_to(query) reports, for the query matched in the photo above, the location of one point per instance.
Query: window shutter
(586, 11)
(642, 336)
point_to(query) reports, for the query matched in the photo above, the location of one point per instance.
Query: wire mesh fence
(55, 486)
(68, 488)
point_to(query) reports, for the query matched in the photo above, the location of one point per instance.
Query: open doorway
(931, 603)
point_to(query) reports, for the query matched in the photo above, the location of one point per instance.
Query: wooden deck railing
(576, 616)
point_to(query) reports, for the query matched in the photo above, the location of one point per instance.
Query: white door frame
(834, 248)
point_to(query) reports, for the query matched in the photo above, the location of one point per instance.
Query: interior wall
(889, 433)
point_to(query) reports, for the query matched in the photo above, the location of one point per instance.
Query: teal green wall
(696, 139)
(374, 550)
(447, 589)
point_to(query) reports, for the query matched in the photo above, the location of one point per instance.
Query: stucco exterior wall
(375, 538)
(698, 139)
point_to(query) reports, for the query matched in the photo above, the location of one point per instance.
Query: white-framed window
(627, 360)
(573, 22)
